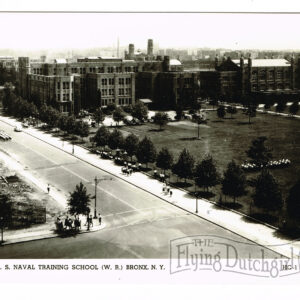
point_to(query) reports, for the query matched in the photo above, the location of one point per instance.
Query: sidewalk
(259, 233)
(13, 238)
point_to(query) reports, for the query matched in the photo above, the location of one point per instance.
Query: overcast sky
(79, 30)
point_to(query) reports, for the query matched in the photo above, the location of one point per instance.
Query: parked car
(18, 129)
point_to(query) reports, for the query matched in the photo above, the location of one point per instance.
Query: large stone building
(71, 86)
(235, 78)
(168, 89)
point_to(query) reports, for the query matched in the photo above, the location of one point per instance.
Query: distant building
(234, 78)
(7, 62)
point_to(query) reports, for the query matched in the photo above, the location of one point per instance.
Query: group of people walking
(70, 223)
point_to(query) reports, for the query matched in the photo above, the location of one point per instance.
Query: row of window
(121, 101)
(65, 85)
(66, 97)
(271, 74)
(111, 81)
(263, 87)
(101, 70)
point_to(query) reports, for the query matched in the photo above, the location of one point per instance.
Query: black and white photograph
(151, 144)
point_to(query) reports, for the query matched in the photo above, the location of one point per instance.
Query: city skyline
(168, 30)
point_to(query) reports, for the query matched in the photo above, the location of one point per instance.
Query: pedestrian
(168, 189)
(100, 219)
(48, 188)
(91, 220)
(171, 193)
(67, 224)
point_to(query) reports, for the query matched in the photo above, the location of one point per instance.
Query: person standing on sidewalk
(48, 188)
(100, 219)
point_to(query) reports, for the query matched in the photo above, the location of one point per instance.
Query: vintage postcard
(149, 146)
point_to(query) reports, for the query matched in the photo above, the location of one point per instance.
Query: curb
(47, 236)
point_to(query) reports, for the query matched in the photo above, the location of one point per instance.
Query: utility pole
(97, 180)
(95, 210)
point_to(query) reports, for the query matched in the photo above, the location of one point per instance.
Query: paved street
(138, 224)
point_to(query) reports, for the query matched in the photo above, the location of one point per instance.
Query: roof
(175, 62)
(60, 60)
(146, 101)
(265, 62)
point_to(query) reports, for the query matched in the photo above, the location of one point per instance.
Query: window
(121, 81)
(111, 92)
(128, 80)
(100, 70)
(121, 91)
(127, 69)
(118, 70)
(104, 81)
(58, 85)
(111, 81)
(271, 75)
(279, 74)
(110, 70)
(262, 74)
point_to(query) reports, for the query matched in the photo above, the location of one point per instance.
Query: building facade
(71, 86)
(235, 78)
(168, 89)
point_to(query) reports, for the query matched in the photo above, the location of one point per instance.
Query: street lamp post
(95, 210)
(196, 194)
(97, 180)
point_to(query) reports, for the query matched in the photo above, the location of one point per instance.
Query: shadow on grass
(155, 130)
(288, 233)
(182, 185)
(145, 169)
(193, 138)
(231, 205)
(217, 121)
(262, 217)
(204, 194)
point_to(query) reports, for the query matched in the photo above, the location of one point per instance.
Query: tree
(293, 201)
(164, 159)
(179, 112)
(234, 181)
(62, 123)
(294, 108)
(221, 112)
(79, 201)
(146, 151)
(267, 194)
(118, 115)
(206, 174)
(258, 152)
(81, 129)
(140, 111)
(5, 212)
(131, 144)
(250, 104)
(184, 166)
(101, 136)
(160, 119)
(231, 110)
(99, 116)
(115, 140)
(71, 122)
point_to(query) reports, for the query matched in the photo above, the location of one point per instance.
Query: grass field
(229, 139)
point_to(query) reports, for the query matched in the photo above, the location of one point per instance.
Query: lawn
(228, 139)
